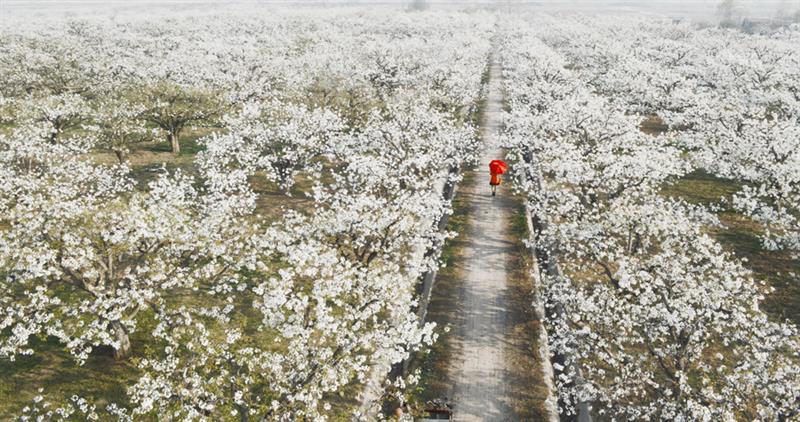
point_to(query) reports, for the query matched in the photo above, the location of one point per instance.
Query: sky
(698, 9)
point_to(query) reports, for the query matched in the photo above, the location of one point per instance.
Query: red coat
(495, 180)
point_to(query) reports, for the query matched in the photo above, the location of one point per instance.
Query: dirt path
(483, 382)
(489, 366)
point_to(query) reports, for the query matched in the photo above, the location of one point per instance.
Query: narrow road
(490, 365)
(482, 379)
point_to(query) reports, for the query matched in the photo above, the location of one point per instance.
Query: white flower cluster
(655, 319)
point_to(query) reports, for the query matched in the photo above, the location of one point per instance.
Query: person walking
(494, 182)
(496, 169)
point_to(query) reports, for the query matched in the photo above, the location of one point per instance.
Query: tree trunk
(121, 156)
(285, 178)
(123, 350)
(244, 413)
(173, 140)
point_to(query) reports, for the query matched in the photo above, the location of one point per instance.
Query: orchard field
(241, 216)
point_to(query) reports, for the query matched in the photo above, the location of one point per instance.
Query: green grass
(529, 397)
(456, 223)
(434, 379)
(740, 235)
(101, 379)
(702, 188)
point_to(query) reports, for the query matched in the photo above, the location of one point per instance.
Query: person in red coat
(496, 168)
(494, 181)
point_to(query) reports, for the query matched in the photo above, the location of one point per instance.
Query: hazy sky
(700, 9)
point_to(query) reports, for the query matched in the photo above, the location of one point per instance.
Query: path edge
(382, 371)
(542, 253)
(543, 342)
